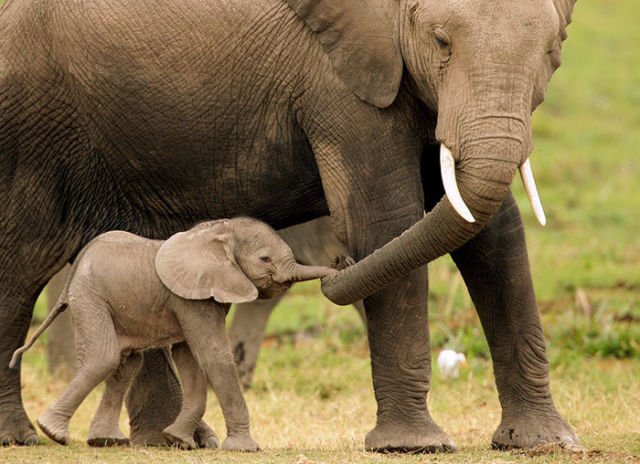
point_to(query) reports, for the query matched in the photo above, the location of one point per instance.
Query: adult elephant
(149, 116)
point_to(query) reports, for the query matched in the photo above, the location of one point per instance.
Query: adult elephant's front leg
(496, 270)
(382, 202)
(401, 366)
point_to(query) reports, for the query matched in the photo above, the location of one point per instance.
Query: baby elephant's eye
(266, 259)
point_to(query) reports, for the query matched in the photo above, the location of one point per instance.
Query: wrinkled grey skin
(148, 117)
(128, 294)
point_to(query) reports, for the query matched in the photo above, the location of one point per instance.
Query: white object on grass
(449, 363)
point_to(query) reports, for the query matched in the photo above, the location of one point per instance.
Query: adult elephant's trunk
(483, 174)
(300, 273)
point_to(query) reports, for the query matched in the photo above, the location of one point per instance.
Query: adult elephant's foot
(426, 437)
(531, 429)
(16, 428)
(55, 427)
(205, 437)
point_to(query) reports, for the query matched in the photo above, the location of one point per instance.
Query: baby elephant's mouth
(273, 289)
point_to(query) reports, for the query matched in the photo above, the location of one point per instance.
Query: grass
(312, 399)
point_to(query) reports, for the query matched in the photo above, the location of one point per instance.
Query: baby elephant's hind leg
(99, 357)
(189, 425)
(105, 427)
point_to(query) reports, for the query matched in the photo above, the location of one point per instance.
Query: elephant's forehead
(498, 22)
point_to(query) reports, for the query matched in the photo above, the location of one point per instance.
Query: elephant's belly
(129, 343)
(141, 331)
(200, 144)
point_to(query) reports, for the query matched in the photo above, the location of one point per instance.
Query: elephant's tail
(60, 307)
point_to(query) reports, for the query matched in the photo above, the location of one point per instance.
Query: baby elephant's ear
(199, 264)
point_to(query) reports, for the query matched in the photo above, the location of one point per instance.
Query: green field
(312, 400)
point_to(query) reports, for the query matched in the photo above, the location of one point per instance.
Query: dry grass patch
(320, 410)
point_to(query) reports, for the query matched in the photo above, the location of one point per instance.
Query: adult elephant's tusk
(532, 191)
(448, 172)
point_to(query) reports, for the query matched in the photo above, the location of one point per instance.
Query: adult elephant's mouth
(484, 183)
(448, 170)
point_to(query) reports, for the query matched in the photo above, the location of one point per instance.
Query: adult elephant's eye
(443, 41)
(266, 259)
(442, 38)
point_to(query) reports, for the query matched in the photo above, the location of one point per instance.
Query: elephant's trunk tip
(302, 273)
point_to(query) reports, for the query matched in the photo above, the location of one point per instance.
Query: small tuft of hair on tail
(16, 356)
(46, 323)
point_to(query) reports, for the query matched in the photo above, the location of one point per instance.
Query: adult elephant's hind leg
(15, 314)
(154, 400)
(24, 270)
(496, 270)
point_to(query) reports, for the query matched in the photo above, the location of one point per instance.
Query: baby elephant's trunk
(60, 307)
(300, 273)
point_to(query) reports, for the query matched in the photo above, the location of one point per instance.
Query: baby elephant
(128, 294)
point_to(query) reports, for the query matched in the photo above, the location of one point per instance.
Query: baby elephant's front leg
(204, 329)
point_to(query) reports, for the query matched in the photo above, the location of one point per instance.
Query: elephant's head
(232, 260)
(482, 67)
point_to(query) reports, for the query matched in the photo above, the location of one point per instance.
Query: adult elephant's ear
(199, 264)
(564, 8)
(359, 37)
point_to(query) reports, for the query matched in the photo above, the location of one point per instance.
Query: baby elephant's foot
(55, 427)
(104, 440)
(103, 435)
(240, 443)
(178, 437)
(205, 437)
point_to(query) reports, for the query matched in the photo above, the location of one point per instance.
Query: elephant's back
(113, 247)
(176, 47)
(117, 266)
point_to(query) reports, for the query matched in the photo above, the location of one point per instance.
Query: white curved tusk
(448, 172)
(532, 191)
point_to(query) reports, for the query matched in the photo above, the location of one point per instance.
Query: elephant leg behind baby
(247, 333)
(313, 243)
(105, 429)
